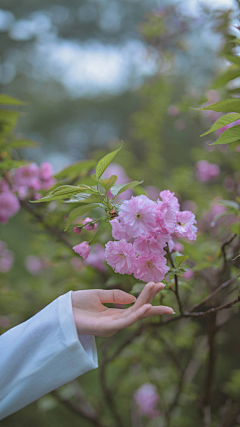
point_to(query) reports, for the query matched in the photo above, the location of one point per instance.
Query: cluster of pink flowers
(146, 398)
(206, 171)
(6, 258)
(23, 182)
(32, 177)
(142, 230)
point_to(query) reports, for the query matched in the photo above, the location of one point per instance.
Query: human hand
(93, 318)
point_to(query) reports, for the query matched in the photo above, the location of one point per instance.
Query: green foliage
(105, 162)
(120, 188)
(223, 121)
(230, 135)
(79, 211)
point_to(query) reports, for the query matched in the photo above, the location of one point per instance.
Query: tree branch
(180, 305)
(212, 294)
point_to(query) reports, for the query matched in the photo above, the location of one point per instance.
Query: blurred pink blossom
(152, 192)
(179, 125)
(46, 171)
(77, 263)
(33, 264)
(4, 321)
(9, 205)
(96, 258)
(238, 148)
(178, 247)
(188, 275)
(146, 398)
(4, 186)
(48, 183)
(27, 176)
(173, 110)
(6, 260)
(229, 184)
(189, 205)
(206, 171)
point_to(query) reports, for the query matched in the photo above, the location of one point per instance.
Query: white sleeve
(41, 355)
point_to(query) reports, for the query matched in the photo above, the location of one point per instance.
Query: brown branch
(212, 294)
(212, 310)
(206, 400)
(79, 410)
(180, 305)
(108, 396)
(227, 242)
(27, 206)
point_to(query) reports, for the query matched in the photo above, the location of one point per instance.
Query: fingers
(149, 291)
(125, 322)
(158, 310)
(115, 296)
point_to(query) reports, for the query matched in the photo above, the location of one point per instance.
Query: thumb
(115, 296)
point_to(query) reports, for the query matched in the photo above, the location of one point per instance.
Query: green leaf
(75, 213)
(8, 164)
(238, 199)
(180, 259)
(9, 100)
(76, 169)
(108, 183)
(105, 183)
(227, 106)
(86, 198)
(233, 58)
(8, 120)
(229, 135)
(223, 121)
(235, 228)
(228, 204)
(105, 162)
(231, 74)
(22, 143)
(120, 188)
(62, 192)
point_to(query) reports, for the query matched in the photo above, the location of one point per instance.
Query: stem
(180, 305)
(90, 241)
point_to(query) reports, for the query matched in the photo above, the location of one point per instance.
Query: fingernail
(173, 312)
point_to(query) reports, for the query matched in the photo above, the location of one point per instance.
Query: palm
(94, 318)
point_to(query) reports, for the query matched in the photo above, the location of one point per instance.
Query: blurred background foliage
(93, 73)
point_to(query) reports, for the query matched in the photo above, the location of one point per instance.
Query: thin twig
(227, 242)
(224, 285)
(180, 305)
(80, 411)
(212, 310)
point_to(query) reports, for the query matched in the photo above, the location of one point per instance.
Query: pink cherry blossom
(28, 176)
(96, 258)
(46, 171)
(9, 205)
(48, 183)
(165, 217)
(148, 243)
(137, 216)
(146, 398)
(117, 230)
(83, 249)
(185, 225)
(150, 267)
(120, 256)
(206, 171)
(77, 230)
(89, 227)
(169, 197)
(4, 186)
